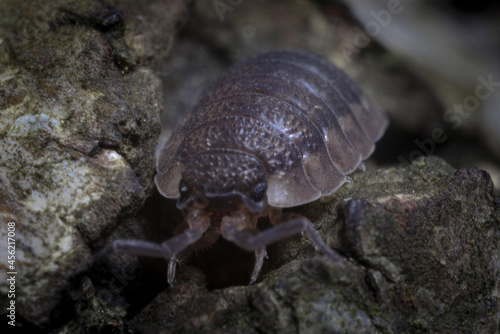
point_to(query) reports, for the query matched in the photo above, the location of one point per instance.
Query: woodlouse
(277, 130)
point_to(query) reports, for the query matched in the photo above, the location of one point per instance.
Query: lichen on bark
(78, 131)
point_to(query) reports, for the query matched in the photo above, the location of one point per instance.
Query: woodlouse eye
(259, 192)
(183, 189)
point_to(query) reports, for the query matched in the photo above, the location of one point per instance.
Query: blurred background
(433, 66)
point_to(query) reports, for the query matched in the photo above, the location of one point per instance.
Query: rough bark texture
(423, 256)
(79, 125)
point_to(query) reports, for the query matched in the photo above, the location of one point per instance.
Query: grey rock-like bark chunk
(79, 122)
(423, 240)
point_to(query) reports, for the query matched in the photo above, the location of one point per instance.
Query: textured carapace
(306, 122)
(278, 130)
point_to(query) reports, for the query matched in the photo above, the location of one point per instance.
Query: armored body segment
(306, 121)
(284, 117)
(315, 85)
(279, 155)
(371, 118)
(217, 174)
(343, 154)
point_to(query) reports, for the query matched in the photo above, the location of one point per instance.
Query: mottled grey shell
(300, 116)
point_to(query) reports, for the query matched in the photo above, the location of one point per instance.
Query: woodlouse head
(222, 180)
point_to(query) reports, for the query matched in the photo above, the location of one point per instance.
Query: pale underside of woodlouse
(277, 130)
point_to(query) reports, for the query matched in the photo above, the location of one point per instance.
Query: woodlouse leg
(172, 266)
(276, 233)
(260, 254)
(209, 238)
(166, 249)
